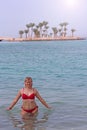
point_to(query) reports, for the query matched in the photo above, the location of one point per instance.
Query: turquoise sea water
(59, 72)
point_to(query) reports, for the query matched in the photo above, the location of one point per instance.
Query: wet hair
(29, 78)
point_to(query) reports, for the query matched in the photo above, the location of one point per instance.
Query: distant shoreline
(41, 39)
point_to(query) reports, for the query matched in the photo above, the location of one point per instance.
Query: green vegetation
(42, 30)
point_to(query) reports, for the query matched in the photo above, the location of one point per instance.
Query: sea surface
(59, 72)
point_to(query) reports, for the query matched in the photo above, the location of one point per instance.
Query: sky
(15, 14)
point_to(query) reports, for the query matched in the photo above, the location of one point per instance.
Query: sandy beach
(10, 39)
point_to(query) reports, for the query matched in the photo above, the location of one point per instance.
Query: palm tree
(28, 26)
(61, 25)
(36, 32)
(73, 30)
(26, 32)
(32, 25)
(65, 29)
(59, 31)
(30, 31)
(21, 33)
(45, 31)
(55, 31)
(40, 26)
(41, 30)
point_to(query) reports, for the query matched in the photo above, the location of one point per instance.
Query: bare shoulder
(21, 90)
(35, 90)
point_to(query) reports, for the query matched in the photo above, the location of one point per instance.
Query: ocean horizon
(59, 72)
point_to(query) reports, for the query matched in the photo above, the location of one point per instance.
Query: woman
(28, 94)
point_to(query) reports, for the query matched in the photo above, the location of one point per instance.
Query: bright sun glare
(71, 3)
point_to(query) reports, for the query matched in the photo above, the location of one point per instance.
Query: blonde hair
(29, 78)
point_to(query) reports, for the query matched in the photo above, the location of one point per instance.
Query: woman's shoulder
(35, 90)
(21, 90)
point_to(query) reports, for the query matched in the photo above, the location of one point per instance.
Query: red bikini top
(31, 96)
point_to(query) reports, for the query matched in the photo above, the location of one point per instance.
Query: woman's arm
(41, 99)
(14, 101)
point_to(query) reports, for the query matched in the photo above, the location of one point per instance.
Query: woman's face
(28, 82)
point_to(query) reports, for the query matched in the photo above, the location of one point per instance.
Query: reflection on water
(29, 123)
